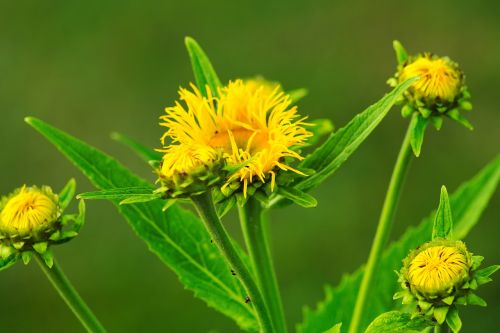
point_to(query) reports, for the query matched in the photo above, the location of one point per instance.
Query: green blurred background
(93, 67)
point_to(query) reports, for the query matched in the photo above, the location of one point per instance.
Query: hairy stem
(70, 296)
(255, 231)
(205, 206)
(384, 227)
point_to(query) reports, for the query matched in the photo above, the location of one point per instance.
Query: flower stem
(384, 226)
(70, 296)
(437, 329)
(255, 231)
(205, 206)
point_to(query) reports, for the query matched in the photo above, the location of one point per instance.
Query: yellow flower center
(27, 211)
(438, 78)
(437, 269)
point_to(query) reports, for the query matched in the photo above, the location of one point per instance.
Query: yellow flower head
(437, 267)
(440, 78)
(250, 126)
(28, 211)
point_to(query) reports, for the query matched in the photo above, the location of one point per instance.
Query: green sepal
(437, 122)
(225, 206)
(486, 272)
(476, 262)
(417, 130)
(145, 153)
(168, 203)
(26, 256)
(401, 54)
(18, 245)
(407, 110)
(474, 299)
(8, 261)
(440, 314)
(40, 247)
(456, 116)
(448, 300)
(48, 258)
(67, 194)
(297, 196)
(204, 73)
(425, 112)
(443, 223)
(424, 305)
(453, 320)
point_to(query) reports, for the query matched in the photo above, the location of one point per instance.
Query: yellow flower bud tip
(28, 211)
(440, 78)
(251, 127)
(438, 268)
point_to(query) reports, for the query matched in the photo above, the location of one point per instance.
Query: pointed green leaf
(177, 236)
(440, 314)
(297, 94)
(139, 198)
(473, 299)
(455, 115)
(482, 276)
(203, 70)
(443, 224)
(468, 202)
(327, 158)
(453, 320)
(398, 322)
(67, 193)
(334, 329)
(297, 196)
(9, 261)
(401, 54)
(117, 193)
(145, 153)
(418, 126)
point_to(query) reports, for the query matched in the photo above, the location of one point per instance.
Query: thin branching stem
(68, 293)
(206, 209)
(255, 231)
(384, 227)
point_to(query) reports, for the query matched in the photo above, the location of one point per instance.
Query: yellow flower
(440, 78)
(251, 127)
(437, 269)
(28, 211)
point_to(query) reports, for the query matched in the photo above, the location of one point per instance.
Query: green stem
(205, 206)
(384, 227)
(70, 296)
(437, 329)
(255, 231)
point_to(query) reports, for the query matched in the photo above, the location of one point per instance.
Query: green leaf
(453, 320)
(443, 224)
(473, 299)
(401, 54)
(67, 193)
(300, 198)
(9, 261)
(140, 198)
(334, 329)
(398, 322)
(118, 193)
(327, 158)
(297, 94)
(145, 153)
(177, 236)
(417, 130)
(203, 71)
(468, 203)
(482, 276)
